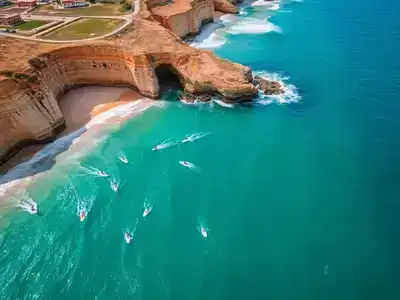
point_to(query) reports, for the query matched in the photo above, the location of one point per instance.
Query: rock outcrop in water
(33, 76)
(268, 87)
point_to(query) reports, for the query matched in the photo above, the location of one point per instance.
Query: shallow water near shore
(298, 195)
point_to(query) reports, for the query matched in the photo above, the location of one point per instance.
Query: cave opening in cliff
(167, 78)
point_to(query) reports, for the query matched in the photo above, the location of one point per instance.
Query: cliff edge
(33, 76)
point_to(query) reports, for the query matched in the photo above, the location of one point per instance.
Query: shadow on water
(43, 160)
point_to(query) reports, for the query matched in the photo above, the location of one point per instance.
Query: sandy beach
(79, 106)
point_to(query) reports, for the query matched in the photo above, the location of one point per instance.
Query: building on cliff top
(73, 3)
(184, 17)
(26, 3)
(10, 19)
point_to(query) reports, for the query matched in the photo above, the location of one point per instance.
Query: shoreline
(76, 112)
(79, 107)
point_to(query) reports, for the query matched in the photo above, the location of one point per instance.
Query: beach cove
(297, 192)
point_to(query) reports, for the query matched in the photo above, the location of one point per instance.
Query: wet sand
(79, 106)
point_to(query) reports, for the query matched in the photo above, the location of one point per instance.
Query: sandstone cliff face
(34, 76)
(28, 112)
(225, 7)
(184, 17)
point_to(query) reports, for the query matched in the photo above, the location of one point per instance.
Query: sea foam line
(214, 35)
(68, 149)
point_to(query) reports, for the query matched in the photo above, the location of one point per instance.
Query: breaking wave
(270, 5)
(290, 92)
(252, 26)
(214, 35)
(67, 150)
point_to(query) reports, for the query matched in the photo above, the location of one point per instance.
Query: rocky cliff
(33, 76)
(225, 6)
(185, 17)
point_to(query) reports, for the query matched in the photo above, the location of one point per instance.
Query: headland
(143, 53)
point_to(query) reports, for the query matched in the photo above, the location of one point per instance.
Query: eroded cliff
(34, 76)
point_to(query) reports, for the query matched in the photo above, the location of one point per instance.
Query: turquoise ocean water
(299, 194)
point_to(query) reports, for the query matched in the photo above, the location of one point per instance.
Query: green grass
(29, 25)
(96, 10)
(84, 28)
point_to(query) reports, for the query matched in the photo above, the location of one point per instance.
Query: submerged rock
(204, 98)
(187, 97)
(191, 98)
(268, 87)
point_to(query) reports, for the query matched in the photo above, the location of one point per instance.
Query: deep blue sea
(295, 197)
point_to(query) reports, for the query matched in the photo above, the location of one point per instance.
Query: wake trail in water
(114, 184)
(94, 171)
(148, 207)
(129, 234)
(188, 165)
(164, 145)
(84, 206)
(27, 204)
(203, 230)
(195, 136)
(122, 157)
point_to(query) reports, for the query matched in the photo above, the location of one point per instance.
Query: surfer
(203, 231)
(127, 237)
(33, 209)
(123, 158)
(82, 215)
(102, 174)
(146, 211)
(163, 145)
(114, 186)
(158, 147)
(185, 163)
(187, 139)
(188, 165)
(194, 136)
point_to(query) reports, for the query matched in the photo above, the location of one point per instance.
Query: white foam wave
(224, 104)
(198, 103)
(290, 92)
(70, 144)
(271, 5)
(210, 37)
(212, 41)
(252, 26)
(214, 35)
